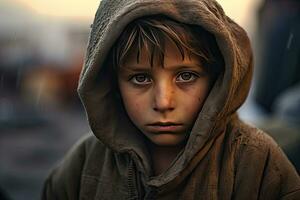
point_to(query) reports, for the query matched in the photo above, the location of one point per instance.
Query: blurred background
(42, 46)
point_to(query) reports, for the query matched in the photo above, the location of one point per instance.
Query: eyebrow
(142, 68)
(135, 68)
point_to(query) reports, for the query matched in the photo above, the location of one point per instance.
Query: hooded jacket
(223, 159)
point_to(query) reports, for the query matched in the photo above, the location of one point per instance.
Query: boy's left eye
(186, 77)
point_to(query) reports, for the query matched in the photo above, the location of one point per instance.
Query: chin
(167, 140)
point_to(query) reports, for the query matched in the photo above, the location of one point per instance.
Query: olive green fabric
(223, 158)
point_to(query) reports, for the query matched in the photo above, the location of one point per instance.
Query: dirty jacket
(223, 159)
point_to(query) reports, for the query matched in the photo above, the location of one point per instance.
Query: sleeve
(263, 171)
(63, 183)
(288, 178)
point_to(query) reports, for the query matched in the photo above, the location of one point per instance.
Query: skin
(163, 101)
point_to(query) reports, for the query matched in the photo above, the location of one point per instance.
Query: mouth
(165, 127)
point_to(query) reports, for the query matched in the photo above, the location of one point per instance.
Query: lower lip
(172, 128)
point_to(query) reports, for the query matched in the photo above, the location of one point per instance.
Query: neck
(163, 156)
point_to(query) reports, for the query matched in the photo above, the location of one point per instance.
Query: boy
(161, 85)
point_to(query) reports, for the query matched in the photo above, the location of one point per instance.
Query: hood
(109, 121)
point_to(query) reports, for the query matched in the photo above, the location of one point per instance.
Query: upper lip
(164, 124)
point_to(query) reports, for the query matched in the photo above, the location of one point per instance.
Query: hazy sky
(240, 10)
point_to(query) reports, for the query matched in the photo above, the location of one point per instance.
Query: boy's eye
(140, 79)
(186, 77)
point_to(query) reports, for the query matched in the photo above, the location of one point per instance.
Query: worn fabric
(223, 159)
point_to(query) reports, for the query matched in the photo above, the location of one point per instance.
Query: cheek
(135, 107)
(203, 90)
(202, 94)
(197, 96)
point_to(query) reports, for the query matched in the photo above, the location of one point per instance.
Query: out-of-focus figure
(277, 87)
(279, 41)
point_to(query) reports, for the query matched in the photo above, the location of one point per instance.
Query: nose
(164, 97)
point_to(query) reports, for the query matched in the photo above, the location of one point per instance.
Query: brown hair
(150, 34)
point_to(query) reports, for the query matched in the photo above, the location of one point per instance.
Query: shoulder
(251, 142)
(64, 181)
(259, 158)
(249, 136)
(80, 152)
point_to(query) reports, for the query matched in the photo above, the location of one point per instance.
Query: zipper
(135, 189)
(133, 184)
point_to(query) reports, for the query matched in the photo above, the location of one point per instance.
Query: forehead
(171, 57)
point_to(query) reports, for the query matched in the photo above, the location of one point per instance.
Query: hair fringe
(150, 34)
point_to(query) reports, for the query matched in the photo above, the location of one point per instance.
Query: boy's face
(163, 102)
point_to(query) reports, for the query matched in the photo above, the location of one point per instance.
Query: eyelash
(193, 77)
(147, 78)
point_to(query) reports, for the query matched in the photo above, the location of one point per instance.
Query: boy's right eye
(140, 79)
